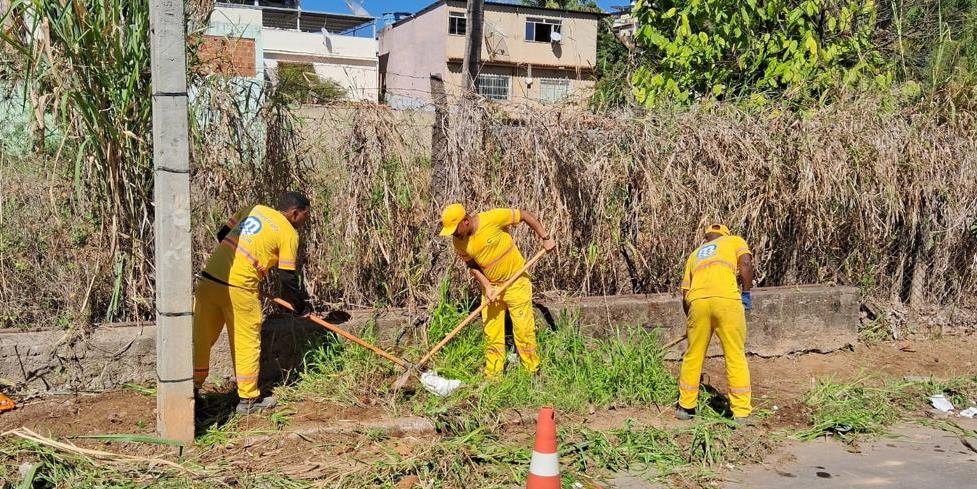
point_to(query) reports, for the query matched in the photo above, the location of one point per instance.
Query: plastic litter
(941, 403)
(437, 385)
(969, 412)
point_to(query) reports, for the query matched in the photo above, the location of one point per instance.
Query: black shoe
(256, 405)
(683, 414)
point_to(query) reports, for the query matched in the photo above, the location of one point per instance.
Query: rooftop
(520, 6)
(280, 15)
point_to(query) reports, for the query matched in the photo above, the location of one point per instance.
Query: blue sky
(377, 7)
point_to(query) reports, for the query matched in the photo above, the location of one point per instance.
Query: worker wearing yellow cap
(490, 253)
(714, 302)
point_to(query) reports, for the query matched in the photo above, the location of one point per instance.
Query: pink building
(528, 53)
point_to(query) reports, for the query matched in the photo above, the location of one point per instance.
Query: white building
(252, 38)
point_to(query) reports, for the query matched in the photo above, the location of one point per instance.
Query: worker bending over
(490, 253)
(714, 303)
(254, 241)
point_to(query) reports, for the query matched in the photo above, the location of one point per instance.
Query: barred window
(553, 89)
(495, 87)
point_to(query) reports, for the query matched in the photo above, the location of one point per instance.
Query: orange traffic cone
(544, 469)
(6, 403)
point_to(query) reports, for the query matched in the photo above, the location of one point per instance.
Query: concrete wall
(505, 37)
(413, 51)
(785, 320)
(351, 61)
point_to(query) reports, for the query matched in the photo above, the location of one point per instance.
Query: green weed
(847, 410)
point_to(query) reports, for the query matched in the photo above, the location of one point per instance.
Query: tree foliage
(728, 48)
(615, 62)
(298, 82)
(586, 5)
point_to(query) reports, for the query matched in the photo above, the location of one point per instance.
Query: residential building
(251, 38)
(624, 24)
(528, 53)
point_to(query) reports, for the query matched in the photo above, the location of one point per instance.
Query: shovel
(404, 377)
(345, 334)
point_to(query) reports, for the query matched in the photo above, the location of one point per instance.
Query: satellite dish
(555, 37)
(494, 40)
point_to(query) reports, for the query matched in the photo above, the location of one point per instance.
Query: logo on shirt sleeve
(706, 251)
(250, 226)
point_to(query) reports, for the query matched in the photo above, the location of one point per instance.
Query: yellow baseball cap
(450, 217)
(718, 229)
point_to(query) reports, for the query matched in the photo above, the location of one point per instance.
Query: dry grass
(858, 193)
(855, 193)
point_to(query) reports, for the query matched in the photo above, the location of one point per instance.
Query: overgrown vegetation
(867, 406)
(807, 51)
(723, 48)
(869, 192)
(299, 83)
(88, 66)
(580, 374)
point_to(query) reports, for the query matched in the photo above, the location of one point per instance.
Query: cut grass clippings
(867, 406)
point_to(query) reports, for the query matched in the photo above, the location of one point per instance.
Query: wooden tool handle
(345, 334)
(673, 342)
(471, 317)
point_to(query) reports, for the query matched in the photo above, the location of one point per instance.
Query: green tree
(585, 5)
(298, 82)
(722, 48)
(615, 62)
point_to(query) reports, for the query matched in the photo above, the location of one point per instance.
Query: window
(495, 87)
(539, 29)
(457, 23)
(553, 89)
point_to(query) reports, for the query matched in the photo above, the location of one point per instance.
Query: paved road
(915, 458)
(918, 458)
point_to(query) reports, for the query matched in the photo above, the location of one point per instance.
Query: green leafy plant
(723, 48)
(298, 82)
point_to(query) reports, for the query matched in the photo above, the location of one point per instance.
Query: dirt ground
(303, 446)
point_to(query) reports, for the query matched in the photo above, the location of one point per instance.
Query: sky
(377, 7)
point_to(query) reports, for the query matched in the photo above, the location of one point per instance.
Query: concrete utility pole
(171, 195)
(473, 43)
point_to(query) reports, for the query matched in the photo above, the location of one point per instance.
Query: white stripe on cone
(545, 464)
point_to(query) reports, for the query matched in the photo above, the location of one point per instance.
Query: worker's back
(711, 269)
(260, 238)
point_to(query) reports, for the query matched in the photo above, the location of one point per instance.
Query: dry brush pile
(855, 193)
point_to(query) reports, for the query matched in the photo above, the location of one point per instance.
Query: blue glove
(747, 300)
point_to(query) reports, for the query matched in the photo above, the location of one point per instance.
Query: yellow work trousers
(518, 300)
(728, 319)
(215, 305)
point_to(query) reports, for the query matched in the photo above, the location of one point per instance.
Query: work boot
(743, 421)
(683, 414)
(256, 405)
(536, 379)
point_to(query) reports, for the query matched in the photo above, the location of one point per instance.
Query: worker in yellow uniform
(490, 253)
(254, 241)
(714, 303)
